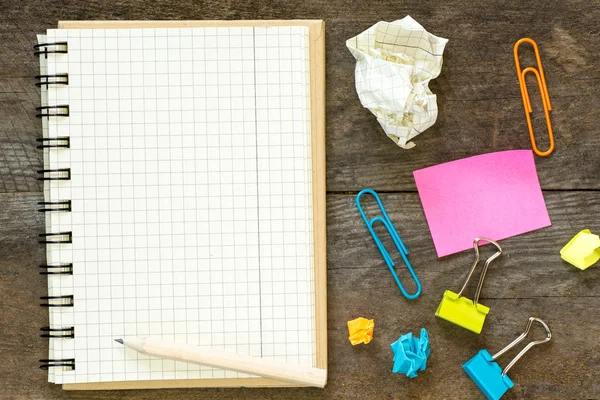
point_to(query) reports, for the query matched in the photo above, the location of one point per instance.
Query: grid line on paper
(183, 267)
(121, 207)
(220, 184)
(195, 208)
(172, 160)
(257, 192)
(95, 186)
(196, 98)
(209, 237)
(231, 149)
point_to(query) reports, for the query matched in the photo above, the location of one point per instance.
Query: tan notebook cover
(317, 88)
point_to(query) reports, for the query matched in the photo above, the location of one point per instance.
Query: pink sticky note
(496, 195)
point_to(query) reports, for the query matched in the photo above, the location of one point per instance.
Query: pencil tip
(119, 341)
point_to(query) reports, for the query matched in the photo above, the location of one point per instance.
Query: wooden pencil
(212, 357)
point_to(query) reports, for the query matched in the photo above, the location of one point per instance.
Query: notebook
(184, 196)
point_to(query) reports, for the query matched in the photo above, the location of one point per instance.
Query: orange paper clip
(539, 75)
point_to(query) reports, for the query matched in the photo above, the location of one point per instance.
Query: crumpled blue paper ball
(411, 353)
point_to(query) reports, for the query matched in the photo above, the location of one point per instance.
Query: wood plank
(360, 155)
(564, 368)
(530, 280)
(480, 105)
(479, 99)
(19, 158)
(533, 257)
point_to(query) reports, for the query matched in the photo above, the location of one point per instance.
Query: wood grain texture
(480, 111)
(529, 280)
(478, 95)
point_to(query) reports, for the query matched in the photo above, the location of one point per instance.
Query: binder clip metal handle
(526, 348)
(487, 374)
(485, 267)
(385, 220)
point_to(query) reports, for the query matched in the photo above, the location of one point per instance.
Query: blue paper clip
(385, 220)
(487, 374)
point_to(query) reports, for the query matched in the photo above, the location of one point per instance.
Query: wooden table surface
(480, 111)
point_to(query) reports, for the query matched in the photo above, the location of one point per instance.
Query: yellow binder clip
(460, 310)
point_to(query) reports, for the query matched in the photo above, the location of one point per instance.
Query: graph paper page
(191, 197)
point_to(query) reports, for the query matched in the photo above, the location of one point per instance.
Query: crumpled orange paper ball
(360, 330)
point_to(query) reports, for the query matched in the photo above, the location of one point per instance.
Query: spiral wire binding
(56, 238)
(54, 333)
(59, 174)
(49, 206)
(57, 269)
(67, 363)
(61, 110)
(52, 79)
(57, 301)
(50, 48)
(63, 142)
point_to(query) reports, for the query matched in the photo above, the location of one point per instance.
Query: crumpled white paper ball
(394, 63)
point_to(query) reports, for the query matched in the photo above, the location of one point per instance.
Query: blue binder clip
(488, 375)
(385, 220)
